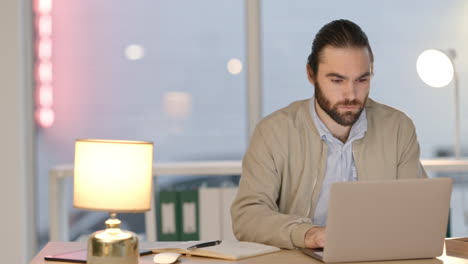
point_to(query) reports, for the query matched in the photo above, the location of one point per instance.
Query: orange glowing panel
(44, 72)
(45, 117)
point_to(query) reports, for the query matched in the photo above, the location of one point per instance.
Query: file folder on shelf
(202, 214)
(167, 214)
(189, 215)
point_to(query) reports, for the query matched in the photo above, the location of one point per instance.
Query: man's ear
(310, 74)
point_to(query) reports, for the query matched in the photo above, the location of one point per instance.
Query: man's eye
(336, 80)
(363, 80)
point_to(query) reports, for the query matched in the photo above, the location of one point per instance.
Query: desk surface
(284, 256)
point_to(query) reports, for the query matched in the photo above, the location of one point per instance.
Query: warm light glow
(43, 6)
(45, 26)
(135, 52)
(234, 66)
(45, 117)
(435, 68)
(112, 175)
(178, 105)
(44, 72)
(44, 49)
(46, 99)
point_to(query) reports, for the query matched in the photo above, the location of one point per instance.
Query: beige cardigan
(284, 166)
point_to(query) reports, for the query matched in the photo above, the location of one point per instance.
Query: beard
(347, 118)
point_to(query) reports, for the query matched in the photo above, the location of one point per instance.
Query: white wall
(17, 184)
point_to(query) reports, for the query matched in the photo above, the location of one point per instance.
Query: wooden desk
(284, 256)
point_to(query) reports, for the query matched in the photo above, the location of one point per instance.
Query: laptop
(386, 220)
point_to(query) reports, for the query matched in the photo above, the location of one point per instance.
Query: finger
(321, 243)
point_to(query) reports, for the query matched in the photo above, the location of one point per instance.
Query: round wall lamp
(436, 69)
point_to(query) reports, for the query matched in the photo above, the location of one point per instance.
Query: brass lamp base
(113, 245)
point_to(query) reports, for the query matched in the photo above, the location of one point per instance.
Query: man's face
(342, 83)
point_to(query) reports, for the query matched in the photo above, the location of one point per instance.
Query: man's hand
(315, 237)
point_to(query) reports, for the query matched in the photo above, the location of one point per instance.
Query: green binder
(189, 221)
(167, 215)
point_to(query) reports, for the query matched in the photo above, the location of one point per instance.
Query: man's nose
(349, 91)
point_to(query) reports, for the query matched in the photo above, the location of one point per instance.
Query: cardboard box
(457, 247)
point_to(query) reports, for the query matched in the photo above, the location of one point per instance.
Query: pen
(206, 244)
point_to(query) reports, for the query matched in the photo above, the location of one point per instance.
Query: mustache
(347, 102)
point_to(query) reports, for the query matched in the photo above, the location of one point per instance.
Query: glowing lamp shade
(113, 175)
(435, 68)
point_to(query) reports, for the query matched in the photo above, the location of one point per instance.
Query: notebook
(386, 220)
(230, 250)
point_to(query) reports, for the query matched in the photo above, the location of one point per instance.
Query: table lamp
(113, 176)
(436, 69)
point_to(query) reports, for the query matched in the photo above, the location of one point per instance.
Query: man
(340, 134)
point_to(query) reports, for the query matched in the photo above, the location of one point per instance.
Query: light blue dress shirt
(340, 162)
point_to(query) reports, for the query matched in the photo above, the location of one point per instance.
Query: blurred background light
(134, 52)
(45, 98)
(178, 105)
(234, 66)
(45, 116)
(435, 68)
(44, 26)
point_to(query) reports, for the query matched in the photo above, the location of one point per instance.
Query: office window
(163, 71)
